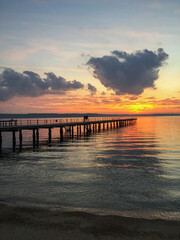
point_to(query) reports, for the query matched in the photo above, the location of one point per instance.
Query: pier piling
(61, 133)
(72, 130)
(20, 139)
(0, 140)
(50, 135)
(34, 139)
(37, 137)
(79, 130)
(14, 140)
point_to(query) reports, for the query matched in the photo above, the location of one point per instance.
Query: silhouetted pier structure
(83, 127)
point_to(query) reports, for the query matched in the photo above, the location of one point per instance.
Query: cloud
(133, 98)
(150, 98)
(30, 84)
(128, 73)
(92, 89)
(103, 93)
(169, 101)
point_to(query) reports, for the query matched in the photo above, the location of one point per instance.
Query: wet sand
(35, 223)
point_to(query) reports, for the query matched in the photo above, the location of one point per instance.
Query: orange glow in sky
(79, 58)
(92, 104)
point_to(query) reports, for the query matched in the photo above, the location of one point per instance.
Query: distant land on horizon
(71, 115)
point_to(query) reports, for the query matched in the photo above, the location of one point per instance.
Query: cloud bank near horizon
(30, 84)
(128, 73)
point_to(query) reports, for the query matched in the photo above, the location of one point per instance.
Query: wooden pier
(83, 128)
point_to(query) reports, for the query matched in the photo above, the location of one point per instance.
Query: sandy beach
(19, 223)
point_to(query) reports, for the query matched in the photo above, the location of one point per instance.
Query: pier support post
(80, 130)
(50, 135)
(99, 127)
(0, 140)
(87, 129)
(120, 123)
(93, 127)
(72, 130)
(37, 137)
(14, 140)
(34, 139)
(77, 130)
(107, 125)
(61, 133)
(20, 139)
(84, 129)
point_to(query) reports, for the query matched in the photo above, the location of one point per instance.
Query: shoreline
(40, 223)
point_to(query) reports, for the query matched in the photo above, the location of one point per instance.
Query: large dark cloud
(128, 73)
(30, 84)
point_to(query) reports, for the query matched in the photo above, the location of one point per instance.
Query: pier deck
(89, 126)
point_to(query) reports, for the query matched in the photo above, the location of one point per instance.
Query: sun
(138, 108)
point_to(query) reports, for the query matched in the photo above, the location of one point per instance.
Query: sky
(87, 56)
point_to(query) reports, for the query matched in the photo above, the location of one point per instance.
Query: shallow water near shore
(131, 171)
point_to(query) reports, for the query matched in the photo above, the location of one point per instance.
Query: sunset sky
(79, 56)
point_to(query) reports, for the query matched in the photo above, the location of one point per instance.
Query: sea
(132, 171)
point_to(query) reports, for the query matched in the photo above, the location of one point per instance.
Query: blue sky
(60, 36)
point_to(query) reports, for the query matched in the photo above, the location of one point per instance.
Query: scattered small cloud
(92, 89)
(151, 98)
(133, 98)
(30, 84)
(169, 101)
(128, 73)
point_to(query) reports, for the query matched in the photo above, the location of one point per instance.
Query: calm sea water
(130, 171)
